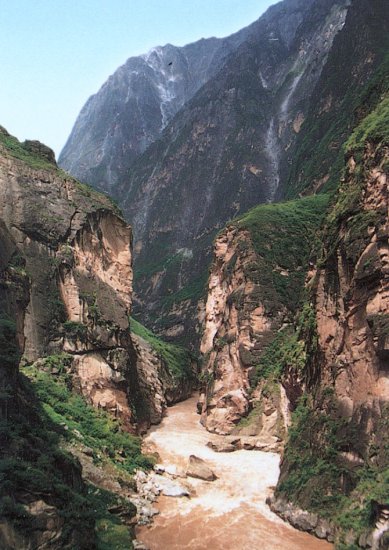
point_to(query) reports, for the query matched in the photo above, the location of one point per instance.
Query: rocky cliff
(339, 429)
(323, 360)
(254, 291)
(136, 103)
(226, 150)
(76, 249)
(32, 511)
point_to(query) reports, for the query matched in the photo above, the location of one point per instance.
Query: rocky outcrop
(158, 386)
(246, 308)
(31, 517)
(77, 252)
(65, 300)
(236, 327)
(346, 409)
(301, 519)
(352, 308)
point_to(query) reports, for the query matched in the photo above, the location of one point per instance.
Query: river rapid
(229, 513)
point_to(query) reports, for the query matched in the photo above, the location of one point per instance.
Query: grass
(373, 128)
(96, 428)
(19, 151)
(285, 350)
(32, 462)
(284, 237)
(177, 358)
(195, 290)
(32, 459)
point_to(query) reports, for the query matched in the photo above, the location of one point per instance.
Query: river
(229, 513)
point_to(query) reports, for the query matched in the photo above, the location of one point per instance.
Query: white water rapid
(227, 514)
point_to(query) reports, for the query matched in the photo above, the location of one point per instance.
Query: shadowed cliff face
(31, 516)
(222, 154)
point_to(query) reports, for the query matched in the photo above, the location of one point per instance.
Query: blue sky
(55, 53)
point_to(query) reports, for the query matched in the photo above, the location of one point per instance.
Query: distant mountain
(135, 104)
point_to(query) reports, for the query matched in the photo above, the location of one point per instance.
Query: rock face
(77, 254)
(253, 293)
(42, 509)
(65, 300)
(137, 102)
(226, 150)
(347, 376)
(76, 250)
(328, 352)
(158, 388)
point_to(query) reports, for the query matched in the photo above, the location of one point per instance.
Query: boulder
(199, 469)
(221, 446)
(170, 488)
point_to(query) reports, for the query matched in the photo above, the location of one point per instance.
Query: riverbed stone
(198, 468)
(221, 446)
(170, 488)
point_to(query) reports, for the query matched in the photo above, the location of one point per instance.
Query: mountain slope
(134, 106)
(221, 155)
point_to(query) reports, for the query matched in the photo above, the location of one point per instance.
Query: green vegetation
(286, 350)
(292, 348)
(96, 428)
(374, 128)
(321, 480)
(321, 146)
(33, 435)
(112, 535)
(31, 460)
(193, 291)
(284, 236)
(346, 209)
(177, 358)
(73, 329)
(9, 353)
(19, 151)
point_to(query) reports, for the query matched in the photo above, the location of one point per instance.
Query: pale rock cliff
(253, 292)
(236, 328)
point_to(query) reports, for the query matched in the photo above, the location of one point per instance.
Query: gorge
(250, 215)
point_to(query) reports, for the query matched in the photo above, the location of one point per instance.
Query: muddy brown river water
(229, 513)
